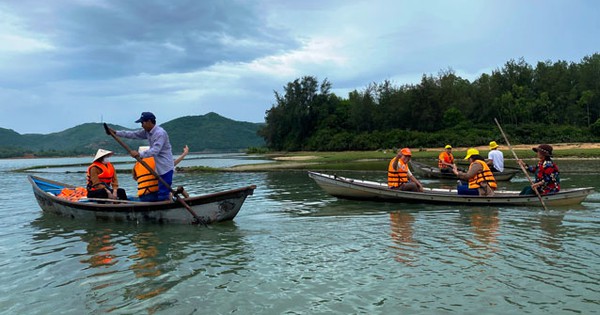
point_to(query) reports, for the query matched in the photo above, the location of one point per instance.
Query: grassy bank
(373, 160)
(378, 160)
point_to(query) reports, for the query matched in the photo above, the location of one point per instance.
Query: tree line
(551, 102)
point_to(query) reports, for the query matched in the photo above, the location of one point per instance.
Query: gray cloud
(118, 38)
(67, 62)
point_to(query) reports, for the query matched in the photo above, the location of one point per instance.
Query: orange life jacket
(106, 177)
(73, 194)
(484, 176)
(397, 176)
(445, 157)
(147, 183)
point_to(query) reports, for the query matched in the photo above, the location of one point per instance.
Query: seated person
(547, 175)
(147, 182)
(399, 176)
(480, 178)
(102, 179)
(495, 158)
(446, 160)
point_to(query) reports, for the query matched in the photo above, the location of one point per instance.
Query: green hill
(212, 132)
(9, 138)
(204, 133)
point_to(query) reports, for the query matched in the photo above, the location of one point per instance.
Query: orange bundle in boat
(73, 194)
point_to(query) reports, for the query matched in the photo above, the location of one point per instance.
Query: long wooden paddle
(522, 167)
(197, 219)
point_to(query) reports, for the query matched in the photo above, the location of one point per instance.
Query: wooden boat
(348, 188)
(434, 172)
(210, 208)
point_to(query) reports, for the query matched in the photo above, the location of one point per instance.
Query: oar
(522, 167)
(197, 219)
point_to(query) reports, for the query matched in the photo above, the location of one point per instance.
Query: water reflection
(132, 269)
(485, 224)
(99, 248)
(401, 224)
(552, 225)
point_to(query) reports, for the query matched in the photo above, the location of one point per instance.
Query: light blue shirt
(160, 147)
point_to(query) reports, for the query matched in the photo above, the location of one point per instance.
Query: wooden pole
(522, 167)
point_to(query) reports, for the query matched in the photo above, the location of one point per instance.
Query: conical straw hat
(102, 153)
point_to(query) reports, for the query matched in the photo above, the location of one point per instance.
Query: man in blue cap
(160, 149)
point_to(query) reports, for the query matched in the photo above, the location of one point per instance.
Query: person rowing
(547, 175)
(160, 149)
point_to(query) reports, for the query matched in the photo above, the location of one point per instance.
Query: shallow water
(293, 249)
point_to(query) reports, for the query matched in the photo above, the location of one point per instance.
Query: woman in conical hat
(102, 179)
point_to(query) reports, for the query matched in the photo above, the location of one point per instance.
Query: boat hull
(348, 188)
(211, 208)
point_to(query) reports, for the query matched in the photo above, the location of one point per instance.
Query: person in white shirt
(495, 158)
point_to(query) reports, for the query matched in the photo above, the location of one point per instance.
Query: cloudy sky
(68, 62)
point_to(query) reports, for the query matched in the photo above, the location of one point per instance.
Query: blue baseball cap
(145, 116)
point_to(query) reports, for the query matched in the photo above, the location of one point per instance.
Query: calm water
(295, 250)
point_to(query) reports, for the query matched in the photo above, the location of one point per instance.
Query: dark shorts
(463, 189)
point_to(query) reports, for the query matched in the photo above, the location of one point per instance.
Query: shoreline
(377, 160)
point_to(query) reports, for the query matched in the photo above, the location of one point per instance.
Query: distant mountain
(9, 137)
(212, 132)
(204, 133)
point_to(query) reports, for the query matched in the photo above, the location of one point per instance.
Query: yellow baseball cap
(470, 152)
(448, 146)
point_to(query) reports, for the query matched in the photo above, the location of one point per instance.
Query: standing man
(160, 149)
(495, 158)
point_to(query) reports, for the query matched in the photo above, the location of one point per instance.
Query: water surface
(293, 249)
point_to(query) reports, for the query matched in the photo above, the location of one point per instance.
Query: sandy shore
(283, 162)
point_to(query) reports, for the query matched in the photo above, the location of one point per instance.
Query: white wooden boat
(349, 188)
(210, 208)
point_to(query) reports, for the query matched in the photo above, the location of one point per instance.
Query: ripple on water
(294, 249)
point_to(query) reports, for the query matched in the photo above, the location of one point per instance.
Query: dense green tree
(440, 109)
(296, 114)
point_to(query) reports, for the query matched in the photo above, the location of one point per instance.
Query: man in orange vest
(148, 183)
(446, 160)
(102, 179)
(399, 175)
